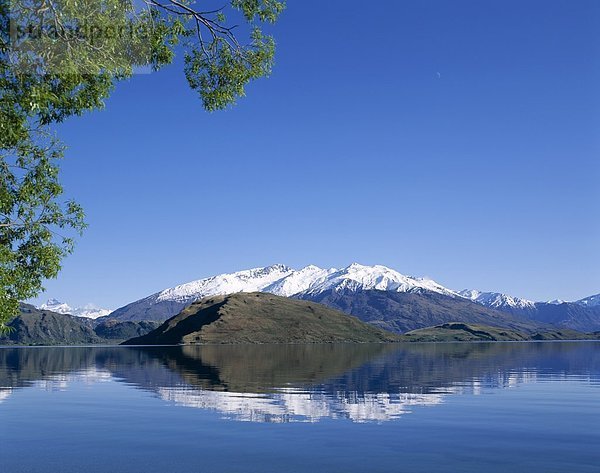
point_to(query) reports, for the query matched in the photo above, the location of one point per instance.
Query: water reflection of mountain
(439, 368)
(303, 382)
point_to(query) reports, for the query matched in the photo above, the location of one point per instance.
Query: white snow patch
(89, 311)
(496, 300)
(592, 301)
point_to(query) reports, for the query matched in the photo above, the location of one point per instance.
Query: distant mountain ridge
(500, 300)
(280, 280)
(43, 327)
(400, 312)
(89, 311)
(582, 315)
(497, 300)
(591, 301)
(359, 281)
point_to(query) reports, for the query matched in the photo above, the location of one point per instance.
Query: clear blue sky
(457, 140)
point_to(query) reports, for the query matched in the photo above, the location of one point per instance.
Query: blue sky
(456, 140)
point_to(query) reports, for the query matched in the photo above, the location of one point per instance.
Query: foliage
(31, 221)
(61, 58)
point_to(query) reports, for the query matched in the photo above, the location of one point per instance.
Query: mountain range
(43, 327)
(89, 311)
(376, 294)
(280, 280)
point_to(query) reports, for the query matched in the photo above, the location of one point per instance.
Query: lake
(462, 407)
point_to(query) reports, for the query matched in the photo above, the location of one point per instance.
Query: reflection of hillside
(408, 368)
(358, 382)
(279, 383)
(260, 368)
(20, 366)
(266, 368)
(433, 368)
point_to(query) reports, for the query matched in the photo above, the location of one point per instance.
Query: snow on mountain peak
(472, 294)
(249, 280)
(89, 311)
(284, 281)
(299, 281)
(57, 306)
(592, 301)
(359, 277)
(496, 300)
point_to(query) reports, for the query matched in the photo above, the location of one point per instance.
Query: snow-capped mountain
(398, 296)
(501, 301)
(357, 277)
(89, 311)
(583, 315)
(57, 306)
(302, 280)
(250, 280)
(496, 300)
(592, 301)
(280, 280)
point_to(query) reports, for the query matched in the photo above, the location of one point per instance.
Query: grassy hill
(260, 318)
(43, 327)
(461, 332)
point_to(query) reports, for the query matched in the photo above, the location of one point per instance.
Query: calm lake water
(498, 407)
